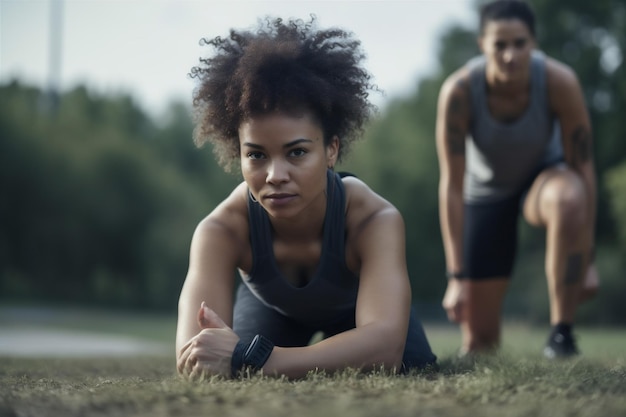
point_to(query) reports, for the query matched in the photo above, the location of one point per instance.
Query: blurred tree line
(98, 201)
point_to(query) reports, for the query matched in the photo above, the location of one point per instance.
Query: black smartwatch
(258, 352)
(457, 275)
(253, 354)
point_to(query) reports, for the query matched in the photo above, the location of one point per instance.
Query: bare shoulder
(228, 222)
(456, 84)
(560, 76)
(454, 104)
(364, 206)
(564, 91)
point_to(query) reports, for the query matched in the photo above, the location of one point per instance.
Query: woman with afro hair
(317, 252)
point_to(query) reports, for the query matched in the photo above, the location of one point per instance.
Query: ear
(332, 152)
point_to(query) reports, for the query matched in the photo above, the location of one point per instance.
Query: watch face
(258, 352)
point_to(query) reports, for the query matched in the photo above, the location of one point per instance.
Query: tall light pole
(55, 56)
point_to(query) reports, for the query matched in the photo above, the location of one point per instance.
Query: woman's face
(284, 162)
(507, 45)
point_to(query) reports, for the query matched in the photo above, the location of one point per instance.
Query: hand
(210, 351)
(454, 299)
(590, 284)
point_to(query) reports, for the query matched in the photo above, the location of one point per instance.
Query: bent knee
(565, 199)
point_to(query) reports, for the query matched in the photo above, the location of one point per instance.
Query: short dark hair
(284, 66)
(507, 9)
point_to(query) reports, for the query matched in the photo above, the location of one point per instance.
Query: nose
(277, 172)
(509, 55)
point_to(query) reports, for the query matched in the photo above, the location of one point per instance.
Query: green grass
(515, 382)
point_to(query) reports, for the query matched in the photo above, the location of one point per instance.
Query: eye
(520, 43)
(298, 152)
(254, 155)
(500, 46)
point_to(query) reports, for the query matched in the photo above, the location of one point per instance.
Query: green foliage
(99, 203)
(616, 187)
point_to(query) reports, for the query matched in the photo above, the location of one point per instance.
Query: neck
(308, 225)
(507, 87)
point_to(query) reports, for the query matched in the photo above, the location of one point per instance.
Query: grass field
(516, 382)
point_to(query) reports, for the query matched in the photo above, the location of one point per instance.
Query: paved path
(39, 332)
(43, 342)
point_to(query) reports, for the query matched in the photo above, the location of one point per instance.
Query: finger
(208, 319)
(201, 371)
(183, 354)
(185, 363)
(452, 315)
(457, 313)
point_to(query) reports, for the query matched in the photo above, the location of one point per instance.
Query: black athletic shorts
(490, 238)
(490, 232)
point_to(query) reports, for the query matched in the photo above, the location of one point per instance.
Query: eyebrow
(286, 145)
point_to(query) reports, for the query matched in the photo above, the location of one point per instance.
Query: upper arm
(453, 116)
(568, 104)
(384, 295)
(214, 255)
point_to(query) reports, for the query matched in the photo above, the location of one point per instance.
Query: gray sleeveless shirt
(331, 293)
(503, 158)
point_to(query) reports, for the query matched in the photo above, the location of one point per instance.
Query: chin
(509, 76)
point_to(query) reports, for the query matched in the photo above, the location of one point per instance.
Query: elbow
(396, 356)
(390, 351)
(391, 358)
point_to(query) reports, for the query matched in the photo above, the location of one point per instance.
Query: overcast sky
(146, 47)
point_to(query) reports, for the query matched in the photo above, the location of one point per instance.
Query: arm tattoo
(573, 269)
(456, 139)
(581, 146)
(454, 129)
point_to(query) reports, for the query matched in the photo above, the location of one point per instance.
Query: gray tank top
(331, 293)
(503, 158)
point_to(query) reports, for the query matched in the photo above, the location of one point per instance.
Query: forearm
(365, 347)
(451, 222)
(216, 297)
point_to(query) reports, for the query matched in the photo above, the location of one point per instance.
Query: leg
(481, 315)
(490, 243)
(556, 201)
(591, 284)
(251, 317)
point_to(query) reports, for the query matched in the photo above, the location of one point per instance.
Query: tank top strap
(478, 84)
(260, 232)
(335, 213)
(538, 79)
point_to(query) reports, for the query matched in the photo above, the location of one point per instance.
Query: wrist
(252, 355)
(455, 274)
(236, 361)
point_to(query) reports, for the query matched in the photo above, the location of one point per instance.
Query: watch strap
(236, 361)
(258, 352)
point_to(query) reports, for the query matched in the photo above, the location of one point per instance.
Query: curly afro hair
(288, 67)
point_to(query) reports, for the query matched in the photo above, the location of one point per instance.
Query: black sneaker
(560, 345)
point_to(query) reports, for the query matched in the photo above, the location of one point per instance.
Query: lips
(279, 196)
(277, 199)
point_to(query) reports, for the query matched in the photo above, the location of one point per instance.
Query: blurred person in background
(316, 251)
(514, 135)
